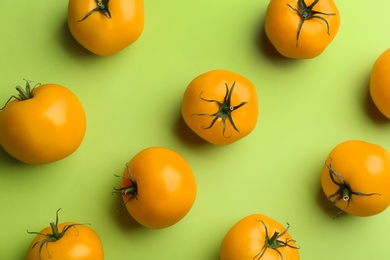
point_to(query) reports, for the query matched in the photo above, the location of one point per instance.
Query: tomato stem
(307, 13)
(344, 191)
(56, 234)
(130, 190)
(274, 242)
(225, 110)
(102, 7)
(24, 94)
(54, 229)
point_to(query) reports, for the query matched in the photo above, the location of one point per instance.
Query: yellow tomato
(106, 27)
(380, 83)
(301, 29)
(43, 124)
(158, 187)
(66, 241)
(220, 106)
(356, 178)
(258, 237)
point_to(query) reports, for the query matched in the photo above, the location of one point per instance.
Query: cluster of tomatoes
(158, 185)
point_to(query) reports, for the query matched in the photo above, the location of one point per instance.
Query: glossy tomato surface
(79, 242)
(258, 237)
(356, 178)
(159, 187)
(220, 106)
(301, 28)
(106, 27)
(380, 83)
(46, 127)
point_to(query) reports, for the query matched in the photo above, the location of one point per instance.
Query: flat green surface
(133, 99)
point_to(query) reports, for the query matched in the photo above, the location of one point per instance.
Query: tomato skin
(78, 243)
(380, 83)
(166, 187)
(366, 169)
(213, 85)
(102, 35)
(45, 128)
(246, 239)
(281, 27)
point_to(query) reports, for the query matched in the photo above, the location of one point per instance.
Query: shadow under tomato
(70, 44)
(5, 158)
(122, 216)
(370, 108)
(186, 135)
(265, 47)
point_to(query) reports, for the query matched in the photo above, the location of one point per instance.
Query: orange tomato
(66, 241)
(356, 178)
(106, 27)
(380, 83)
(258, 237)
(43, 124)
(301, 29)
(220, 106)
(158, 187)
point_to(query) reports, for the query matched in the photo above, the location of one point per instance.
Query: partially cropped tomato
(42, 124)
(356, 178)
(301, 28)
(380, 83)
(258, 237)
(220, 106)
(65, 241)
(105, 27)
(158, 187)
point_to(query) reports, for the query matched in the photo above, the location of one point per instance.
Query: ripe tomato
(220, 106)
(356, 178)
(105, 27)
(158, 187)
(380, 82)
(43, 124)
(66, 241)
(301, 29)
(258, 237)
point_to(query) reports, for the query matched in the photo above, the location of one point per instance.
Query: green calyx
(55, 236)
(344, 192)
(101, 7)
(307, 13)
(131, 190)
(225, 110)
(274, 242)
(23, 94)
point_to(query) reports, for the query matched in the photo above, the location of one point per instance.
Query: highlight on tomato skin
(355, 178)
(380, 82)
(158, 187)
(220, 106)
(43, 123)
(301, 29)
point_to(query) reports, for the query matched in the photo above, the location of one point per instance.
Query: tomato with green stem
(220, 106)
(65, 241)
(106, 27)
(356, 178)
(42, 124)
(158, 187)
(258, 237)
(301, 29)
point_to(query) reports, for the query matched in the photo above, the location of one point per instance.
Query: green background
(132, 100)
